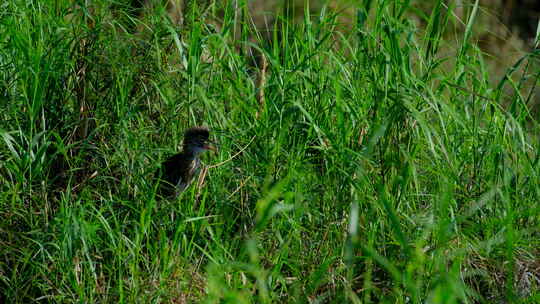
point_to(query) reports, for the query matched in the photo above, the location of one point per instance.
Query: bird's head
(196, 140)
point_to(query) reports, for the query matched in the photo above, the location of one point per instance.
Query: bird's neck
(192, 152)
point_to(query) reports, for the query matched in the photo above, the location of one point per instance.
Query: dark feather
(178, 171)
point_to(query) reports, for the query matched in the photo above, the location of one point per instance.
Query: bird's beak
(210, 146)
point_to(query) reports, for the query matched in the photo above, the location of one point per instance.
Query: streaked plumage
(179, 170)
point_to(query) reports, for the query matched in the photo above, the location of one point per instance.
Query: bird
(177, 172)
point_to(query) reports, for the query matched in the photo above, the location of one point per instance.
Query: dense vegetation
(364, 167)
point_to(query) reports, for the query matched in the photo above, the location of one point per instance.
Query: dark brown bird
(178, 171)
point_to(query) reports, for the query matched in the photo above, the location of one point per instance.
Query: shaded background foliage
(386, 163)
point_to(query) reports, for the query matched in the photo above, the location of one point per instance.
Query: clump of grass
(369, 174)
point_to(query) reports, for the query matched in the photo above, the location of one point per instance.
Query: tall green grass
(376, 171)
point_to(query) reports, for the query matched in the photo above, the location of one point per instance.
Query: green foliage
(374, 171)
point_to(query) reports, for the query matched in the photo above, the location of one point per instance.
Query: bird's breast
(195, 164)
